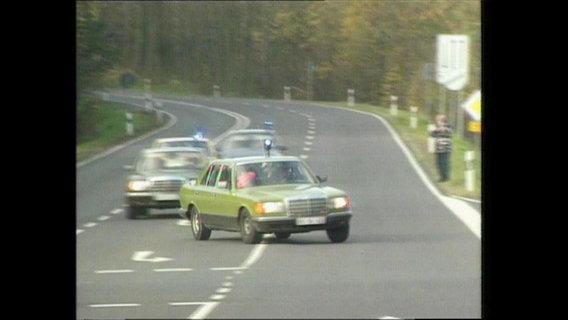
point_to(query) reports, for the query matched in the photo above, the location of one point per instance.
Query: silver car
(154, 180)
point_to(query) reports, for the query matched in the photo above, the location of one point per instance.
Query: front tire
(339, 234)
(199, 230)
(248, 232)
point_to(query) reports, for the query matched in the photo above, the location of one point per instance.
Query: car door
(224, 201)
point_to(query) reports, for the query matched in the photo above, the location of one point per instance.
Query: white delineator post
(350, 97)
(216, 91)
(129, 124)
(287, 94)
(469, 171)
(413, 119)
(394, 105)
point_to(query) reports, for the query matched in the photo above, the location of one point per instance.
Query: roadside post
(394, 105)
(216, 91)
(413, 118)
(148, 94)
(287, 94)
(158, 108)
(129, 125)
(350, 97)
(469, 171)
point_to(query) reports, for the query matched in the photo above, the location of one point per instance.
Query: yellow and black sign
(474, 126)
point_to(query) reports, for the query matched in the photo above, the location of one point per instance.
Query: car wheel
(282, 235)
(199, 230)
(248, 233)
(337, 235)
(135, 212)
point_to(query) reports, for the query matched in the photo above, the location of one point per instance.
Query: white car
(202, 143)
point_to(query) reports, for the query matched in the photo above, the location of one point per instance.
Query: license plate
(310, 220)
(165, 197)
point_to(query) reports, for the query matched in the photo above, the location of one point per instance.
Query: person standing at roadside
(443, 146)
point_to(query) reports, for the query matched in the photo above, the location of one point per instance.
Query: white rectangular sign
(452, 60)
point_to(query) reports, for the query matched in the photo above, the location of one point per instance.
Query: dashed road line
(114, 271)
(114, 305)
(173, 269)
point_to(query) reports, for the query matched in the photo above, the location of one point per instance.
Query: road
(412, 253)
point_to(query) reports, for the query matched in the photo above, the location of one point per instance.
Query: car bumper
(289, 224)
(153, 200)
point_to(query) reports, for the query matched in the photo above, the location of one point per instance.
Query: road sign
(452, 60)
(473, 105)
(474, 126)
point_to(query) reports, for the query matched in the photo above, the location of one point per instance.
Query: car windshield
(171, 161)
(272, 173)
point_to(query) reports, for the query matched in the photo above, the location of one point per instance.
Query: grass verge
(111, 128)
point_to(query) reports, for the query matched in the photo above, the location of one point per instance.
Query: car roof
(179, 139)
(254, 159)
(172, 149)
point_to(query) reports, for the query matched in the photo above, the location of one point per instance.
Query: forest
(320, 49)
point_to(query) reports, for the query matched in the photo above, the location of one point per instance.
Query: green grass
(111, 128)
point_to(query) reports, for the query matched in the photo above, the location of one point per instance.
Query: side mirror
(322, 179)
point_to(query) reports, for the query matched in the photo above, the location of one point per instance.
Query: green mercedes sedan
(261, 195)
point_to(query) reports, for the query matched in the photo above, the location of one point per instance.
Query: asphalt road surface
(411, 253)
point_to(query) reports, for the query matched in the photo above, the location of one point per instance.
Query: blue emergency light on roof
(200, 133)
(268, 124)
(267, 144)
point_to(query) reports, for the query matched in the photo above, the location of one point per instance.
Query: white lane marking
(255, 254)
(253, 257)
(309, 143)
(303, 156)
(306, 115)
(388, 317)
(310, 137)
(186, 303)
(225, 268)
(173, 269)
(116, 211)
(311, 132)
(114, 271)
(183, 222)
(203, 311)
(227, 284)
(468, 215)
(306, 149)
(89, 225)
(143, 256)
(114, 305)
(79, 231)
(103, 218)
(223, 290)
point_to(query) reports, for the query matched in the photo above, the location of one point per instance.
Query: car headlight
(268, 207)
(340, 203)
(137, 185)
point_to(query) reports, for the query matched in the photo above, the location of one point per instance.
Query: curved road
(412, 253)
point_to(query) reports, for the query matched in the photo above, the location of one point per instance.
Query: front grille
(167, 185)
(307, 207)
